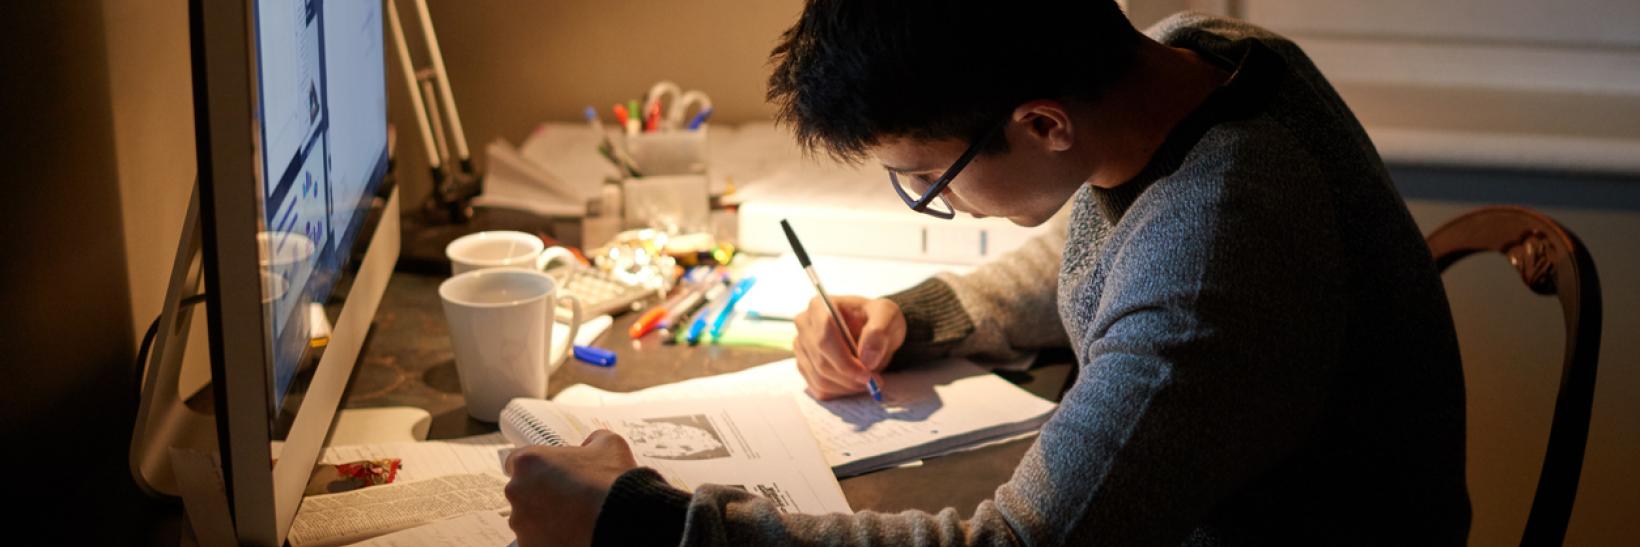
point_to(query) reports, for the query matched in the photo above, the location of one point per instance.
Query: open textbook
(758, 444)
(436, 480)
(927, 410)
(341, 519)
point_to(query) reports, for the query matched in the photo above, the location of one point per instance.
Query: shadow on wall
(68, 404)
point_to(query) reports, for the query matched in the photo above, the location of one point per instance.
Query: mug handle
(553, 254)
(574, 328)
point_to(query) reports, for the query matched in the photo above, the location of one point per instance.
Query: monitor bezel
(263, 493)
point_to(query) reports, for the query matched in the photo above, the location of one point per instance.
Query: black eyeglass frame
(937, 189)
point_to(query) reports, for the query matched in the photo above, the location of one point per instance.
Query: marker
(836, 318)
(698, 326)
(595, 356)
(697, 311)
(653, 318)
(729, 307)
(700, 119)
(634, 117)
(652, 121)
(647, 322)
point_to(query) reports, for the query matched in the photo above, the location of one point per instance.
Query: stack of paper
(514, 182)
(927, 411)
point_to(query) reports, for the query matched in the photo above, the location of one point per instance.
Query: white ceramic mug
(501, 249)
(501, 328)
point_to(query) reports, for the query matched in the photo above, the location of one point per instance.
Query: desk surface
(407, 361)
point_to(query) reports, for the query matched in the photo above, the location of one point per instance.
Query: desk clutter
(756, 429)
(663, 223)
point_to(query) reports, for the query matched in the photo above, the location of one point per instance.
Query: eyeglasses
(920, 194)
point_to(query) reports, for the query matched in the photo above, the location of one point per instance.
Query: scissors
(679, 105)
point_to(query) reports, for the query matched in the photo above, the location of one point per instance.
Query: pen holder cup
(668, 152)
(675, 203)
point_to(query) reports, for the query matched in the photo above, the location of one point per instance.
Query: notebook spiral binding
(532, 429)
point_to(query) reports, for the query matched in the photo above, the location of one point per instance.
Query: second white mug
(501, 249)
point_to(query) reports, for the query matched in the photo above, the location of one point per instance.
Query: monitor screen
(322, 128)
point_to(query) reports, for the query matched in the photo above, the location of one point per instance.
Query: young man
(1266, 354)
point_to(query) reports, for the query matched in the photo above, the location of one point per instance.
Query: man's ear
(1047, 122)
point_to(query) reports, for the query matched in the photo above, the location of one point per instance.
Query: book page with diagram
(926, 411)
(759, 444)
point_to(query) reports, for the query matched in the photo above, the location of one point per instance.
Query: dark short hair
(852, 72)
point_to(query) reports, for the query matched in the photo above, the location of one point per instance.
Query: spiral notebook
(757, 444)
(930, 410)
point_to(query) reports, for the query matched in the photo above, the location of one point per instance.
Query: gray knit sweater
(1264, 346)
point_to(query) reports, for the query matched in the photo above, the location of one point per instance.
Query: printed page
(756, 443)
(339, 519)
(482, 529)
(926, 410)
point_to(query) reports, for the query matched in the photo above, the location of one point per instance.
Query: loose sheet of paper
(758, 444)
(783, 290)
(339, 519)
(927, 410)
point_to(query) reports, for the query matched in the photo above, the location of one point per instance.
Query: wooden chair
(1551, 261)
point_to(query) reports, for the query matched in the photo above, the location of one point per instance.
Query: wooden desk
(407, 361)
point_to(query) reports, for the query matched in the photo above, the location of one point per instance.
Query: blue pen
(729, 307)
(700, 119)
(595, 356)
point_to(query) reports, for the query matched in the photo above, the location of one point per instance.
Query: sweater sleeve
(1001, 311)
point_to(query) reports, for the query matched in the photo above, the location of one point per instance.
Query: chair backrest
(1551, 261)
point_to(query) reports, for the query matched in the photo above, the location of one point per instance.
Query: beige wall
(513, 64)
(65, 323)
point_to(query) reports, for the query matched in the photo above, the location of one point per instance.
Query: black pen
(836, 318)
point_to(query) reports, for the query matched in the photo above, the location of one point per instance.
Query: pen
(597, 124)
(620, 114)
(693, 296)
(685, 310)
(729, 307)
(836, 318)
(697, 324)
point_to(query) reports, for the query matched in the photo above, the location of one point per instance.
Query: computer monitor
(291, 133)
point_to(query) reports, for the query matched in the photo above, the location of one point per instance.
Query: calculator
(598, 290)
